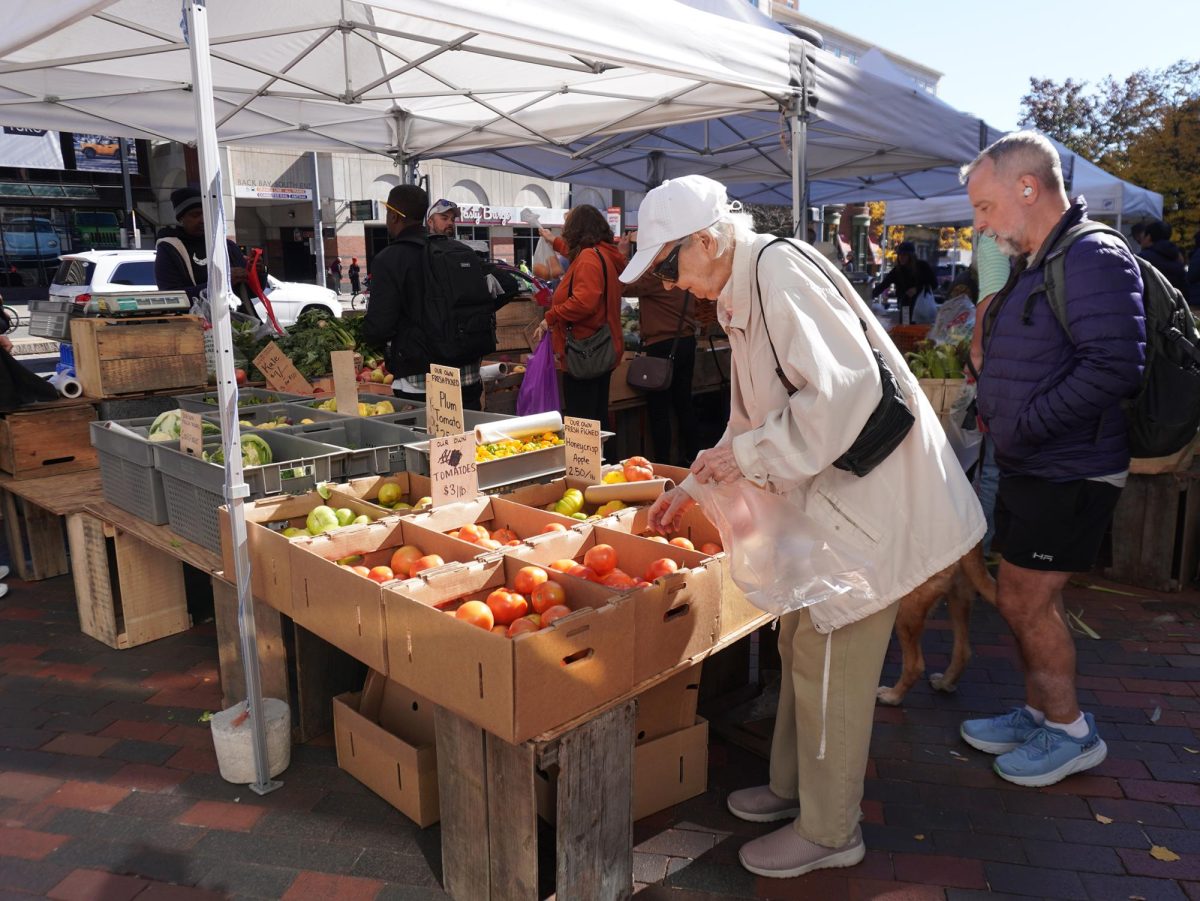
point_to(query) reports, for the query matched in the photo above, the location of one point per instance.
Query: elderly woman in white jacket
(912, 516)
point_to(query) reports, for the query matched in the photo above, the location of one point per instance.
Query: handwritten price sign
(582, 440)
(443, 394)
(280, 372)
(452, 468)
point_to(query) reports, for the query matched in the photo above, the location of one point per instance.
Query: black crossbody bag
(649, 373)
(890, 421)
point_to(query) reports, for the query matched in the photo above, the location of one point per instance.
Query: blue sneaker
(1050, 755)
(999, 734)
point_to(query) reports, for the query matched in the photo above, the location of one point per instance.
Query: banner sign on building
(484, 214)
(102, 153)
(34, 148)
(273, 191)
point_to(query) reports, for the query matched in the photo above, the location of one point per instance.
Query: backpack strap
(176, 245)
(1054, 272)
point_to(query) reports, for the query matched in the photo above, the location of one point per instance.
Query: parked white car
(123, 271)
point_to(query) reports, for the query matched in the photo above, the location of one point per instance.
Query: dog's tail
(977, 572)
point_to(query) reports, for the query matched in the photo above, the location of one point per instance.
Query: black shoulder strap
(687, 298)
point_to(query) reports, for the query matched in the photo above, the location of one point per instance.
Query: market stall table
(33, 512)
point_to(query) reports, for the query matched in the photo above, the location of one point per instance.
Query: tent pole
(236, 491)
(318, 229)
(799, 127)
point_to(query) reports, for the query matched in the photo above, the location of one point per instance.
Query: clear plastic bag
(546, 265)
(925, 307)
(780, 557)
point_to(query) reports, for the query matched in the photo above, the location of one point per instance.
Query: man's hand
(716, 465)
(665, 512)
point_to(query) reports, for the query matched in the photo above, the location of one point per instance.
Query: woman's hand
(665, 512)
(716, 465)
(546, 233)
(6, 343)
(539, 333)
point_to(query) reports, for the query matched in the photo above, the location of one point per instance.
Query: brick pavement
(108, 785)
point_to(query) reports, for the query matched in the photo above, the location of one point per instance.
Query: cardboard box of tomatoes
(337, 579)
(466, 637)
(676, 590)
(494, 525)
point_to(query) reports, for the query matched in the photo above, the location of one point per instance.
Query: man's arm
(386, 305)
(885, 283)
(1106, 321)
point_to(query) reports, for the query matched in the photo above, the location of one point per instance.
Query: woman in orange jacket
(587, 297)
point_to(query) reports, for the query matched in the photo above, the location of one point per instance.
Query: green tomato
(345, 516)
(360, 519)
(321, 519)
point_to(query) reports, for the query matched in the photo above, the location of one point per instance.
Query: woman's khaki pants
(830, 790)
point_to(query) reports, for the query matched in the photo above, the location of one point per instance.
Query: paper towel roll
(493, 371)
(518, 427)
(66, 385)
(627, 492)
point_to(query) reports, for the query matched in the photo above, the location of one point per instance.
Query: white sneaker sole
(988, 747)
(1086, 761)
(788, 813)
(848, 858)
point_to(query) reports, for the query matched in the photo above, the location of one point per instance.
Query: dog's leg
(959, 601)
(910, 624)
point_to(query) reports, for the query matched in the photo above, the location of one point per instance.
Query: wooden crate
(1155, 531)
(50, 440)
(124, 356)
(128, 591)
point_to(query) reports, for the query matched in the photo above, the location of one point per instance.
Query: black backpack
(460, 310)
(1164, 415)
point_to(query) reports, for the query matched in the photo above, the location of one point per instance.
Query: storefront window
(524, 241)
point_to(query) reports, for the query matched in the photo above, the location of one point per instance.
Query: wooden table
(33, 519)
(488, 810)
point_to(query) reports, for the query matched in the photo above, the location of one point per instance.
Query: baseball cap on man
(442, 206)
(675, 209)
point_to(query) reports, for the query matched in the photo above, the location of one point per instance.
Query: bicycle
(11, 319)
(359, 301)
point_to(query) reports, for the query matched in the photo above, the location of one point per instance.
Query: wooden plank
(135, 339)
(1127, 526)
(463, 794)
(322, 672)
(60, 494)
(595, 808)
(93, 582)
(512, 819)
(47, 549)
(47, 442)
(153, 598)
(160, 537)
(125, 356)
(13, 519)
(272, 657)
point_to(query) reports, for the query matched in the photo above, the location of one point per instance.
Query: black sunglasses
(668, 267)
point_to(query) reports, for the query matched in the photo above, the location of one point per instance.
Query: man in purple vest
(1052, 404)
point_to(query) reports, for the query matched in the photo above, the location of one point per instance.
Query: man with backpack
(1063, 353)
(431, 302)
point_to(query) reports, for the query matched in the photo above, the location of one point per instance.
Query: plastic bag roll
(66, 385)
(493, 371)
(518, 427)
(627, 492)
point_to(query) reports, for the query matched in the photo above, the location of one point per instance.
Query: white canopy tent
(939, 197)
(399, 77)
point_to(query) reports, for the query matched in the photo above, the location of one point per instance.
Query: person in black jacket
(1165, 255)
(910, 276)
(1193, 273)
(181, 252)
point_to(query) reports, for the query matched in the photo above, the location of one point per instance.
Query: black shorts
(1052, 526)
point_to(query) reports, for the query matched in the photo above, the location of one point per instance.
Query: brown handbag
(647, 373)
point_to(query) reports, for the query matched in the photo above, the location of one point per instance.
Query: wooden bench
(33, 519)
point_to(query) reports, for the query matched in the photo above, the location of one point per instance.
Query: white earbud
(1028, 190)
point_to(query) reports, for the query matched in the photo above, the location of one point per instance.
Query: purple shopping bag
(539, 389)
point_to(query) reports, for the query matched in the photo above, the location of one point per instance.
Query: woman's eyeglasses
(668, 268)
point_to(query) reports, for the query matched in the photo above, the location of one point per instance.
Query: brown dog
(957, 583)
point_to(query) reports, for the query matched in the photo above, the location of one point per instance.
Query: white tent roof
(937, 197)
(408, 77)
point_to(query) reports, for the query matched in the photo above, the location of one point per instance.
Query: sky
(989, 51)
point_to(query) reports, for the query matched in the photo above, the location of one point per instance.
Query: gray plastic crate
(471, 418)
(256, 415)
(206, 401)
(402, 406)
(195, 489)
(372, 448)
(127, 473)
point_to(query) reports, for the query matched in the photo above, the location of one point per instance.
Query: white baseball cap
(675, 209)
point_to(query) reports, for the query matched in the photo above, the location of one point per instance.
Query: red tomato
(635, 473)
(602, 558)
(617, 579)
(554, 527)
(490, 544)
(429, 561)
(638, 461)
(528, 578)
(663, 566)
(506, 605)
(563, 566)
(659, 538)
(582, 572)
(521, 625)
(473, 533)
(402, 560)
(504, 536)
(381, 574)
(711, 548)
(547, 595)
(500, 630)
(477, 614)
(554, 614)
(680, 541)
(362, 571)
(535, 618)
